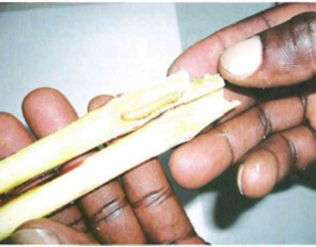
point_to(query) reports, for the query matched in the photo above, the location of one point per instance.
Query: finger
(204, 56)
(98, 101)
(46, 231)
(269, 163)
(46, 110)
(110, 216)
(14, 135)
(205, 157)
(157, 207)
(280, 56)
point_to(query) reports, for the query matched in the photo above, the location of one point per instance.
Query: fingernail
(243, 58)
(239, 177)
(34, 236)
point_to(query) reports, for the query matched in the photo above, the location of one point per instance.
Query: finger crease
(186, 235)
(220, 40)
(223, 134)
(304, 104)
(311, 34)
(79, 225)
(293, 151)
(154, 198)
(265, 121)
(312, 130)
(266, 20)
(75, 222)
(293, 39)
(109, 211)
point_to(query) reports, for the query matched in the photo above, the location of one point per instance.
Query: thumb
(46, 231)
(283, 55)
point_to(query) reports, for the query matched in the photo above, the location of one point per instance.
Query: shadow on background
(230, 205)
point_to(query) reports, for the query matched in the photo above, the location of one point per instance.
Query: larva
(150, 108)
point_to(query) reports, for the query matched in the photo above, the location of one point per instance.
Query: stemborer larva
(150, 108)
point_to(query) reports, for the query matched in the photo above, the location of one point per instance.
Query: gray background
(87, 49)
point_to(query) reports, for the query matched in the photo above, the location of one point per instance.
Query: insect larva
(150, 108)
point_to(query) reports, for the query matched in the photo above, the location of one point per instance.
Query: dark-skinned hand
(269, 135)
(271, 58)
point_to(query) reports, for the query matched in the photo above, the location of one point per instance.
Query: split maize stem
(120, 116)
(187, 107)
(163, 133)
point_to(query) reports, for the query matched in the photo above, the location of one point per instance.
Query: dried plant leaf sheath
(172, 128)
(119, 117)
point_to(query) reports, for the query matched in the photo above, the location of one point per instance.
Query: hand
(272, 132)
(143, 209)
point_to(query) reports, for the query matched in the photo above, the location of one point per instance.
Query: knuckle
(265, 121)
(293, 151)
(109, 211)
(155, 198)
(302, 37)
